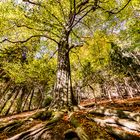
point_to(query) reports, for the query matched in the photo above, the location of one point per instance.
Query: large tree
(62, 24)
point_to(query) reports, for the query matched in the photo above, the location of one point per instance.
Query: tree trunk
(63, 93)
(128, 88)
(31, 98)
(93, 93)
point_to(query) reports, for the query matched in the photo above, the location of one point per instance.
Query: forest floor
(106, 120)
(130, 104)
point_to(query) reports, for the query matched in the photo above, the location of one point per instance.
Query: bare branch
(54, 25)
(80, 7)
(75, 46)
(43, 30)
(31, 2)
(111, 11)
(26, 40)
(81, 18)
(53, 54)
(93, 8)
(81, 4)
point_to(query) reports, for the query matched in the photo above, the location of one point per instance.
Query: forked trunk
(63, 93)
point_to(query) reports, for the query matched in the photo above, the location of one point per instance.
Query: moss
(74, 121)
(47, 101)
(10, 126)
(93, 131)
(13, 127)
(42, 115)
(60, 129)
(55, 118)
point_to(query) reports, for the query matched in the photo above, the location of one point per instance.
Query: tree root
(121, 134)
(42, 115)
(121, 128)
(37, 131)
(79, 130)
(117, 113)
(81, 133)
(62, 125)
(10, 126)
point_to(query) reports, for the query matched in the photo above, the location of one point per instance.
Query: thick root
(42, 115)
(81, 133)
(10, 126)
(36, 132)
(117, 113)
(57, 126)
(56, 117)
(119, 128)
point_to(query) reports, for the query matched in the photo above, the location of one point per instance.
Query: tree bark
(31, 98)
(26, 99)
(63, 93)
(9, 96)
(93, 93)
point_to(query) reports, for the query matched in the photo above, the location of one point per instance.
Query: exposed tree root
(79, 130)
(11, 125)
(77, 125)
(122, 123)
(117, 113)
(121, 134)
(57, 126)
(38, 130)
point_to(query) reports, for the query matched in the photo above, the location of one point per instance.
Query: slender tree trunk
(31, 98)
(63, 94)
(19, 101)
(93, 93)
(3, 92)
(12, 102)
(108, 87)
(116, 84)
(26, 99)
(128, 88)
(9, 96)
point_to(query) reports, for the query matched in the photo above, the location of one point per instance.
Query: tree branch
(38, 4)
(26, 40)
(75, 46)
(111, 12)
(81, 18)
(31, 2)
(54, 25)
(53, 54)
(93, 8)
(43, 30)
